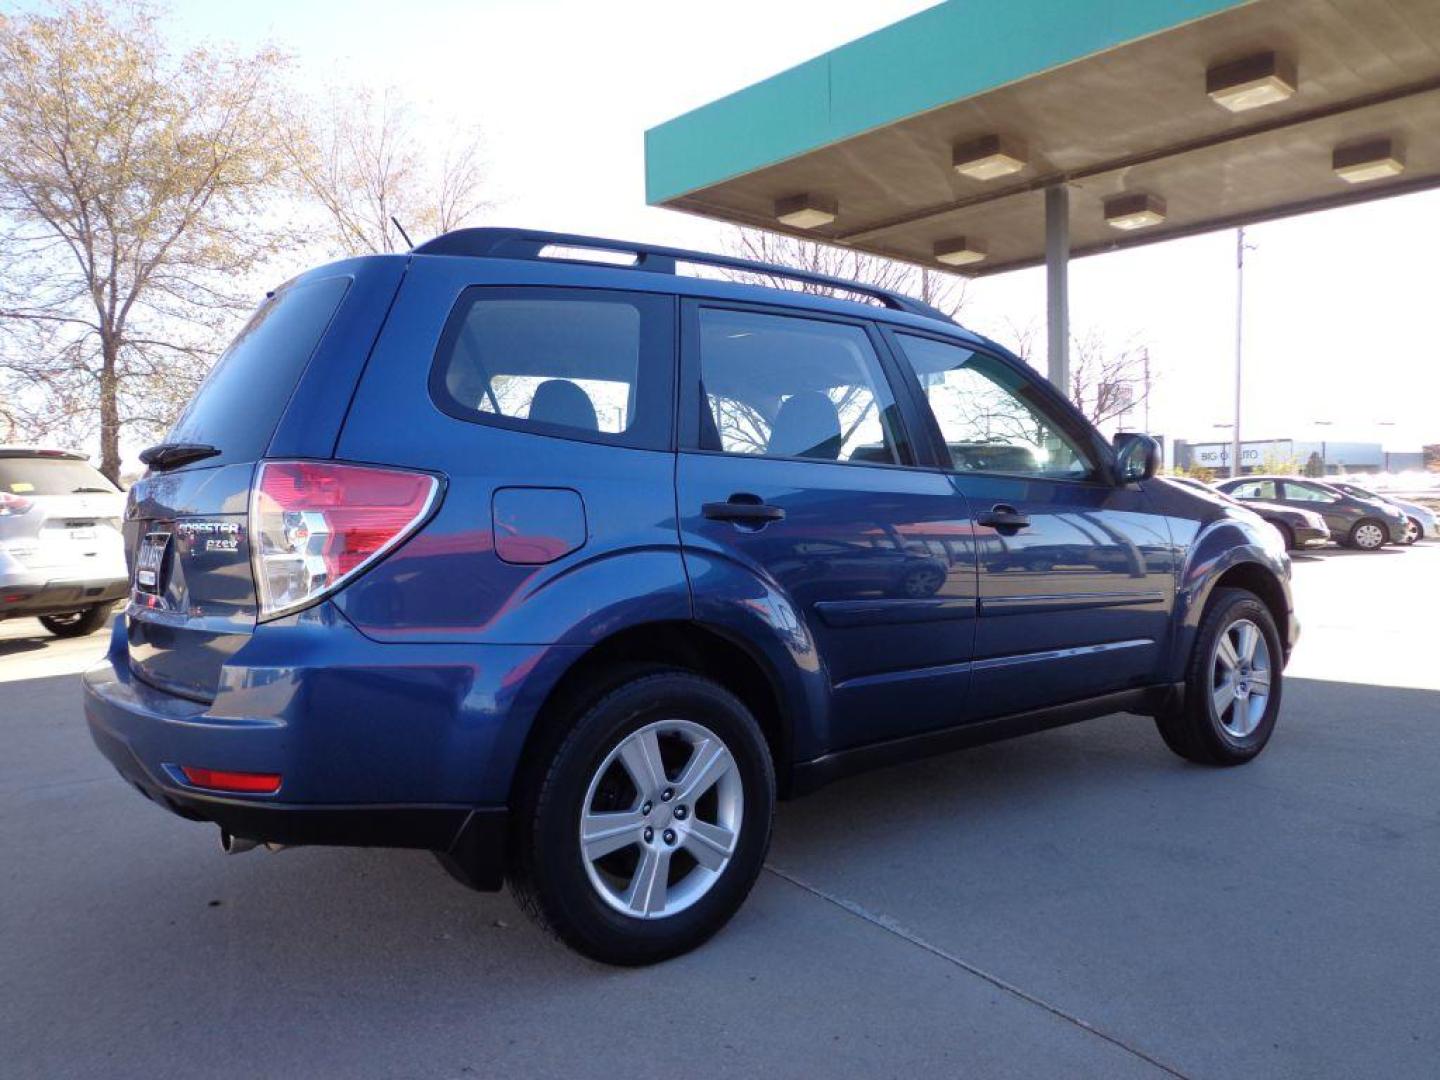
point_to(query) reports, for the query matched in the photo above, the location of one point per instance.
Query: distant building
(1315, 456)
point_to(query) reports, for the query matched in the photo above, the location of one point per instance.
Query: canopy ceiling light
(1137, 211)
(1372, 160)
(806, 211)
(989, 158)
(1262, 79)
(959, 251)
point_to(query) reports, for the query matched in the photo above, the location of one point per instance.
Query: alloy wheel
(661, 819)
(1240, 678)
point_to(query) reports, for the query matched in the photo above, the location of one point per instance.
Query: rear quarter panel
(448, 584)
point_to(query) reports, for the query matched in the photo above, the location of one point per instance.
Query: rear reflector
(220, 780)
(313, 525)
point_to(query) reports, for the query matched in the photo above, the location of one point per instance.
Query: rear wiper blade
(169, 455)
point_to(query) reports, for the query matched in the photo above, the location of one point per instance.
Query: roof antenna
(404, 235)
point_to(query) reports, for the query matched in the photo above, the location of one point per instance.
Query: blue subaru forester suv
(566, 570)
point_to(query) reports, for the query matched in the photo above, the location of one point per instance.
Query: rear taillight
(314, 525)
(13, 505)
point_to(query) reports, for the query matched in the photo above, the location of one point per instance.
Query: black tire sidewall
(553, 861)
(91, 619)
(1232, 607)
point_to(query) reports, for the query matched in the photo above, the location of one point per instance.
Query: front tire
(1232, 686)
(77, 623)
(1413, 531)
(651, 823)
(1368, 535)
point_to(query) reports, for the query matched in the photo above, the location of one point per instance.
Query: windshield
(51, 476)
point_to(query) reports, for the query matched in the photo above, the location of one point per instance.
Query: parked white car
(62, 557)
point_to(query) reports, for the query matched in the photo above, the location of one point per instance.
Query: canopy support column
(1057, 284)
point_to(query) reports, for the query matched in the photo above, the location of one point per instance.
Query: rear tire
(594, 896)
(1368, 535)
(1223, 719)
(77, 623)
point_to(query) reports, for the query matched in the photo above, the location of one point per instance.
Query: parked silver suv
(62, 557)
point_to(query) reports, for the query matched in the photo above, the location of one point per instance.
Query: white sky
(1338, 304)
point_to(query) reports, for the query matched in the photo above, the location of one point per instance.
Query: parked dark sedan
(1366, 524)
(1300, 528)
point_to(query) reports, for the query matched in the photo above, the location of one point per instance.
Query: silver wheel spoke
(1224, 697)
(1259, 681)
(710, 845)
(603, 833)
(640, 754)
(1249, 637)
(707, 764)
(646, 894)
(1226, 654)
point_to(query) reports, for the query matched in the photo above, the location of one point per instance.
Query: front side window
(788, 386)
(1308, 493)
(569, 362)
(994, 420)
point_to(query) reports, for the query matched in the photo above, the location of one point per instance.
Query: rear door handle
(744, 508)
(1002, 516)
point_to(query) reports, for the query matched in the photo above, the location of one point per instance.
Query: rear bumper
(377, 745)
(35, 594)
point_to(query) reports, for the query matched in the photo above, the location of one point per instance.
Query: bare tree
(133, 205)
(1107, 381)
(362, 158)
(945, 292)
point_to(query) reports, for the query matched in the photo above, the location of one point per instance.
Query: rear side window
(50, 476)
(577, 363)
(788, 386)
(240, 403)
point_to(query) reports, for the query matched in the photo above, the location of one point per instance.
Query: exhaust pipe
(234, 845)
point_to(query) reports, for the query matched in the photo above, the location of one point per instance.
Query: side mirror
(1137, 457)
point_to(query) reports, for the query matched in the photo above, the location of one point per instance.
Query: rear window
(50, 476)
(240, 403)
(578, 363)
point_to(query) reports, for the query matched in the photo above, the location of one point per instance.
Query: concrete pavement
(1079, 903)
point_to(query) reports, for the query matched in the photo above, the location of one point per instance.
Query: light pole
(1239, 344)
(1234, 462)
(1324, 448)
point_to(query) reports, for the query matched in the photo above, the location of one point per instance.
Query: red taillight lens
(12, 505)
(313, 524)
(221, 780)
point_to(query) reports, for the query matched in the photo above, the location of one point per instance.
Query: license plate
(82, 534)
(151, 561)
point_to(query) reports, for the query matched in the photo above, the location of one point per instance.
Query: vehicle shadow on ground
(1039, 843)
(1327, 553)
(14, 646)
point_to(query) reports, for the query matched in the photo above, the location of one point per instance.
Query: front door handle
(1002, 516)
(743, 508)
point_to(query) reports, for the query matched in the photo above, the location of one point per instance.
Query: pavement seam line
(890, 926)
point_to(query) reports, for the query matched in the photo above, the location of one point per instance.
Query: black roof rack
(529, 244)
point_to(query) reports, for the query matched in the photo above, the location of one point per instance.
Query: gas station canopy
(969, 135)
